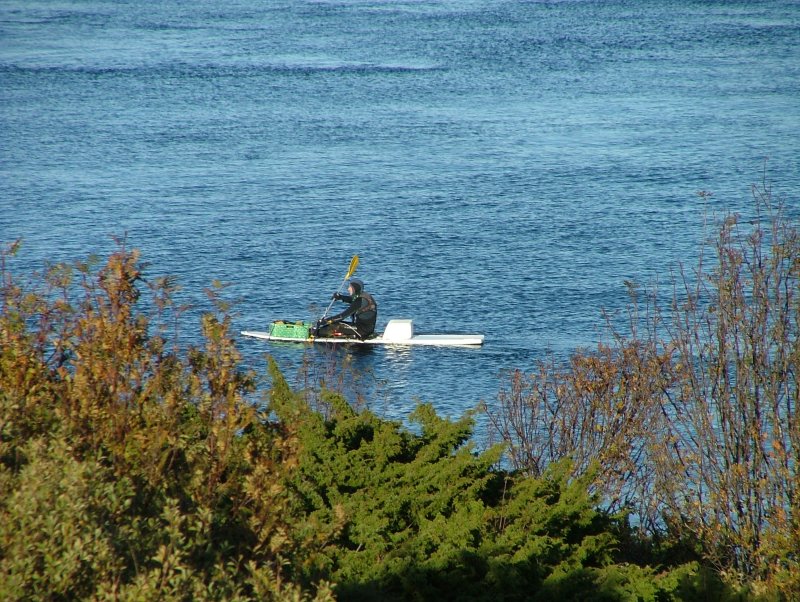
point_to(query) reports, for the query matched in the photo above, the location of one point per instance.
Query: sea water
(500, 167)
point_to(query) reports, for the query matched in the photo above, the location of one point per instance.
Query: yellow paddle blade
(353, 266)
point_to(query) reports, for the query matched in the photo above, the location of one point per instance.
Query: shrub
(127, 470)
(692, 414)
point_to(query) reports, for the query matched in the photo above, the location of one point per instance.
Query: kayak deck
(397, 332)
(422, 339)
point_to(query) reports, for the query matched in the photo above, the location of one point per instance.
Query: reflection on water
(377, 377)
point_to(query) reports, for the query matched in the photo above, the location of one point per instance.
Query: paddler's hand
(336, 296)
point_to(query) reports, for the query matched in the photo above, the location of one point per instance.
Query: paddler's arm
(341, 297)
(351, 309)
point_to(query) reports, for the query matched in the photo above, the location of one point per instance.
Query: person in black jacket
(362, 311)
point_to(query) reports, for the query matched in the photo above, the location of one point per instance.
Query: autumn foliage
(691, 411)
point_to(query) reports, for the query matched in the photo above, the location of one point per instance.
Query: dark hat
(357, 284)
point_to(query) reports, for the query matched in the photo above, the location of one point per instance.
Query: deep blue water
(499, 167)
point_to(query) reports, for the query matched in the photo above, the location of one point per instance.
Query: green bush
(428, 517)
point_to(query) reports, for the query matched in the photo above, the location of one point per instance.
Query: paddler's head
(356, 286)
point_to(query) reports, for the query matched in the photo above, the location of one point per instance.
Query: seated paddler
(357, 321)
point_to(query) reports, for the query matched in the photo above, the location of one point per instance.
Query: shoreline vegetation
(662, 465)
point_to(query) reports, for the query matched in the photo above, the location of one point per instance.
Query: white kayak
(397, 332)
